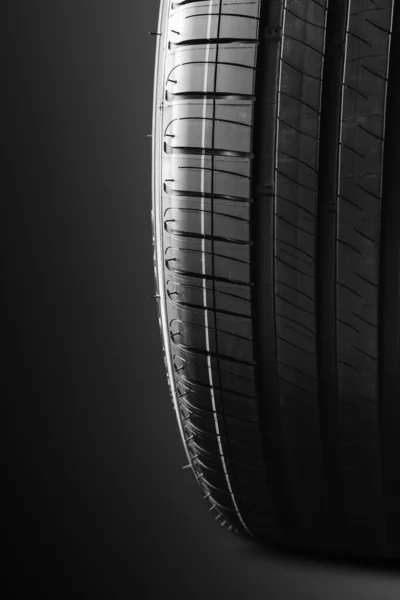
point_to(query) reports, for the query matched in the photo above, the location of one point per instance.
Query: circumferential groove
(330, 125)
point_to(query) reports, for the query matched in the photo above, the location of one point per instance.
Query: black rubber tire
(276, 228)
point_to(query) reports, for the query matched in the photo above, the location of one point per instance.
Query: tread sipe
(276, 230)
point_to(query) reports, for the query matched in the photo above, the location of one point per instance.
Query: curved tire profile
(276, 231)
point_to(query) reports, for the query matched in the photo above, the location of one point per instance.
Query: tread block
(192, 221)
(205, 371)
(209, 134)
(186, 27)
(229, 298)
(229, 262)
(200, 79)
(194, 177)
(213, 340)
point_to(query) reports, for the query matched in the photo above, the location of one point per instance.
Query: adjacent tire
(276, 228)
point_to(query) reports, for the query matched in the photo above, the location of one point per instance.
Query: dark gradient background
(94, 460)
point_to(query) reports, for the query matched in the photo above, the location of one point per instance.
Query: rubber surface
(277, 257)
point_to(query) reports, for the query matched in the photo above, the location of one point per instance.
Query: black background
(94, 459)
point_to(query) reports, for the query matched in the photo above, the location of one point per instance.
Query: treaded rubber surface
(276, 233)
